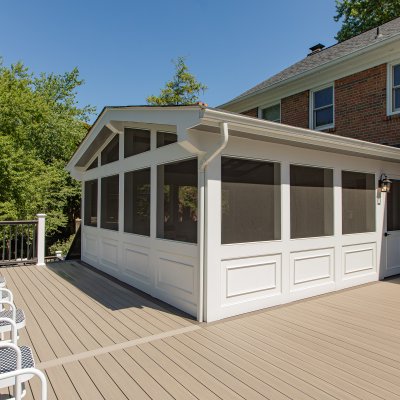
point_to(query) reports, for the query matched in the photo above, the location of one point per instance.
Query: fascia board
(299, 136)
(357, 61)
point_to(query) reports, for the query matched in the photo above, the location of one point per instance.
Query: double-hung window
(394, 89)
(322, 108)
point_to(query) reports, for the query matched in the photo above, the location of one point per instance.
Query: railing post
(41, 231)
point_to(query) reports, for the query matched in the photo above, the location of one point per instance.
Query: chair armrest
(14, 330)
(12, 307)
(10, 295)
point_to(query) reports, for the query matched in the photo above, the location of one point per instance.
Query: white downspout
(203, 231)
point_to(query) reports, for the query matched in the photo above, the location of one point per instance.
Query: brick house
(350, 89)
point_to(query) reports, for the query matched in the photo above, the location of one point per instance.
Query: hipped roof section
(206, 119)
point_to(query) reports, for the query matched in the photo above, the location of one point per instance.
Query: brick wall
(360, 108)
(294, 110)
(251, 113)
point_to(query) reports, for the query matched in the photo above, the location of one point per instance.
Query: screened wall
(109, 202)
(111, 152)
(136, 141)
(393, 207)
(311, 201)
(177, 201)
(358, 202)
(251, 200)
(90, 205)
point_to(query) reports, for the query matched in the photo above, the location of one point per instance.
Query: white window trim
(389, 88)
(311, 107)
(268, 105)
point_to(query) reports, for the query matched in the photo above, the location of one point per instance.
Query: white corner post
(41, 231)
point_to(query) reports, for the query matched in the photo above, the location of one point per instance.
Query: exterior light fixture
(385, 184)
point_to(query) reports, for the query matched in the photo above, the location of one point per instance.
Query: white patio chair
(2, 281)
(12, 313)
(5, 294)
(17, 365)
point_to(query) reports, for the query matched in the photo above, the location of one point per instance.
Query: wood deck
(96, 339)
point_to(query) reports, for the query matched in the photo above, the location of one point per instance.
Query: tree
(183, 89)
(361, 15)
(40, 128)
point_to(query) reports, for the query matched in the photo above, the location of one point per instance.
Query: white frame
(268, 105)
(389, 88)
(311, 107)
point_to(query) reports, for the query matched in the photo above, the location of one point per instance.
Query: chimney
(317, 48)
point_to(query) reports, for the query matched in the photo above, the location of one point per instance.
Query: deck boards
(344, 346)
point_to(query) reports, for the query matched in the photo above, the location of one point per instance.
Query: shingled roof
(327, 55)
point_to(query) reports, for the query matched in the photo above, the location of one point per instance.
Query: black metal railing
(18, 242)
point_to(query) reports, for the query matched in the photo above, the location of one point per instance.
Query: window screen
(272, 113)
(165, 138)
(311, 201)
(93, 164)
(393, 207)
(250, 200)
(136, 141)
(358, 202)
(137, 202)
(177, 201)
(109, 202)
(90, 203)
(396, 88)
(111, 152)
(323, 107)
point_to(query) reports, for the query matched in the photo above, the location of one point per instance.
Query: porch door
(392, 234)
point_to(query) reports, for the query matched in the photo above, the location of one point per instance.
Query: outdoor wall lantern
(385, 183)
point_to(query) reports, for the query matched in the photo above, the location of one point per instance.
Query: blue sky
(124, 49)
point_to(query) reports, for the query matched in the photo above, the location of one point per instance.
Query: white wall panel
(135, 265)
(359, 259)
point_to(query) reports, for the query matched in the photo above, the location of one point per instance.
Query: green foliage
(62, 245)
(183, 89)
(361, 15)
(40, 128)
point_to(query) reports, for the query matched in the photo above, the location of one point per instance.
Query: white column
(41, 231)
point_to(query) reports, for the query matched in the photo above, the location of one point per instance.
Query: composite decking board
(239, 380)
(203, 376)
(322, 349)
(281, 383)
(350, 336)
(182, 376)
(73, 318)
(343, 376)
(171, 385)
(126, 302)
(107, 324)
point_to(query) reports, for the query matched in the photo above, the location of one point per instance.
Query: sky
(123, 49)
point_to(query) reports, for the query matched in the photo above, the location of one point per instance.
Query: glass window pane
(109, 202)
(323, 97)
(177, 201)
(94, 164)
(111, 151)
(358, 202)
(166, 138)
(250, 200)
(396, 99)
(323, 117)
(272, 113)
(137, 202)
(393, 207)
(136, 141)
(90, 203)
(396, 75)
(311, 201)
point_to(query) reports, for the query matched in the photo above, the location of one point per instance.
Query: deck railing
(22, 242)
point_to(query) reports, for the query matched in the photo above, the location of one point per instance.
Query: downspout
(223, 126)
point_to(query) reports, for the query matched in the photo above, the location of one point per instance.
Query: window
(395, 88)
(90, 203)
(177, 201)
(250, 200)
(111, 152)
(93, 164)
(322, 108)
(358, 202)
(137, 202)
(311, 202)
(109, 202)
(166, 138)
(393, 207)
(136, 141)
(272, 113)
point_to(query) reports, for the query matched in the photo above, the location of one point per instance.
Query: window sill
(389, 117)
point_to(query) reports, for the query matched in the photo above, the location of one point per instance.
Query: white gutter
(203, 231)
